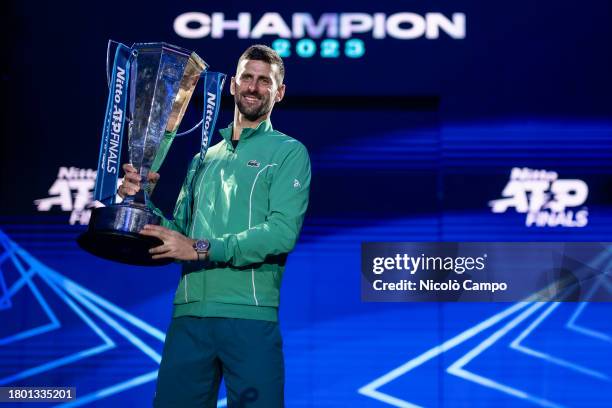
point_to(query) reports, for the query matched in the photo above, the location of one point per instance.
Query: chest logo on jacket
(253, 163)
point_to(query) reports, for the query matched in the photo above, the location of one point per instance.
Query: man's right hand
(131, 181)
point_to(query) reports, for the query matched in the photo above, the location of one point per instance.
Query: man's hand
(175, 245)
(131, 181)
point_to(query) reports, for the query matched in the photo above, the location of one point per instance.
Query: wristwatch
(201, 246)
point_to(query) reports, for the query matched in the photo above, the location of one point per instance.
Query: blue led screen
(412, 140)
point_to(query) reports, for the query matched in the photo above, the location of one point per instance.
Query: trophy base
(113, 234)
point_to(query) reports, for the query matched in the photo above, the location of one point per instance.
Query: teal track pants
(199, 351)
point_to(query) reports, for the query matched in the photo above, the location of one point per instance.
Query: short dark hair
(260, 52)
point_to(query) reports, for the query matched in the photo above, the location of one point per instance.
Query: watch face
(201, 245)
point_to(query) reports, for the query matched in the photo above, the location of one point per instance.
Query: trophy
(152, 83)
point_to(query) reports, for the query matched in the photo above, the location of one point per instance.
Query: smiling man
(236, 219)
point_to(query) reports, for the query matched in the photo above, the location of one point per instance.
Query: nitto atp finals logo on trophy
(547, 200)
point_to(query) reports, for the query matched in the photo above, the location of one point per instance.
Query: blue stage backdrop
(425, 121)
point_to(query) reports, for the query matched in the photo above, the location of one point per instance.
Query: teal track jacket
(250, 203)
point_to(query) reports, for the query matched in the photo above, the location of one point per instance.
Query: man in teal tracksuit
(236, 219)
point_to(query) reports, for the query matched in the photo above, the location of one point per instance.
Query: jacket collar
(263, 127)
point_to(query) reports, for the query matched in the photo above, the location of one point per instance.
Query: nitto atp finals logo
(546, 200)
(72, 192)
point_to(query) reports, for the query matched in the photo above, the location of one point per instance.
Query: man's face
(256, 89)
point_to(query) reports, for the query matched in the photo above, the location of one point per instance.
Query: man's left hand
(175, 245)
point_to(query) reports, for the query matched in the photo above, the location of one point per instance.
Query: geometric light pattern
(503, 323)
(87, 306)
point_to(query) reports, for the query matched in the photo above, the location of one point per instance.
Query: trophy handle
(197, 124)
(192, 129)
(108, 60)
(108, 63)
(202, 120)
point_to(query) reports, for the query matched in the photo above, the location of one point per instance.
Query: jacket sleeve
(288, 198)
(182, 208)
